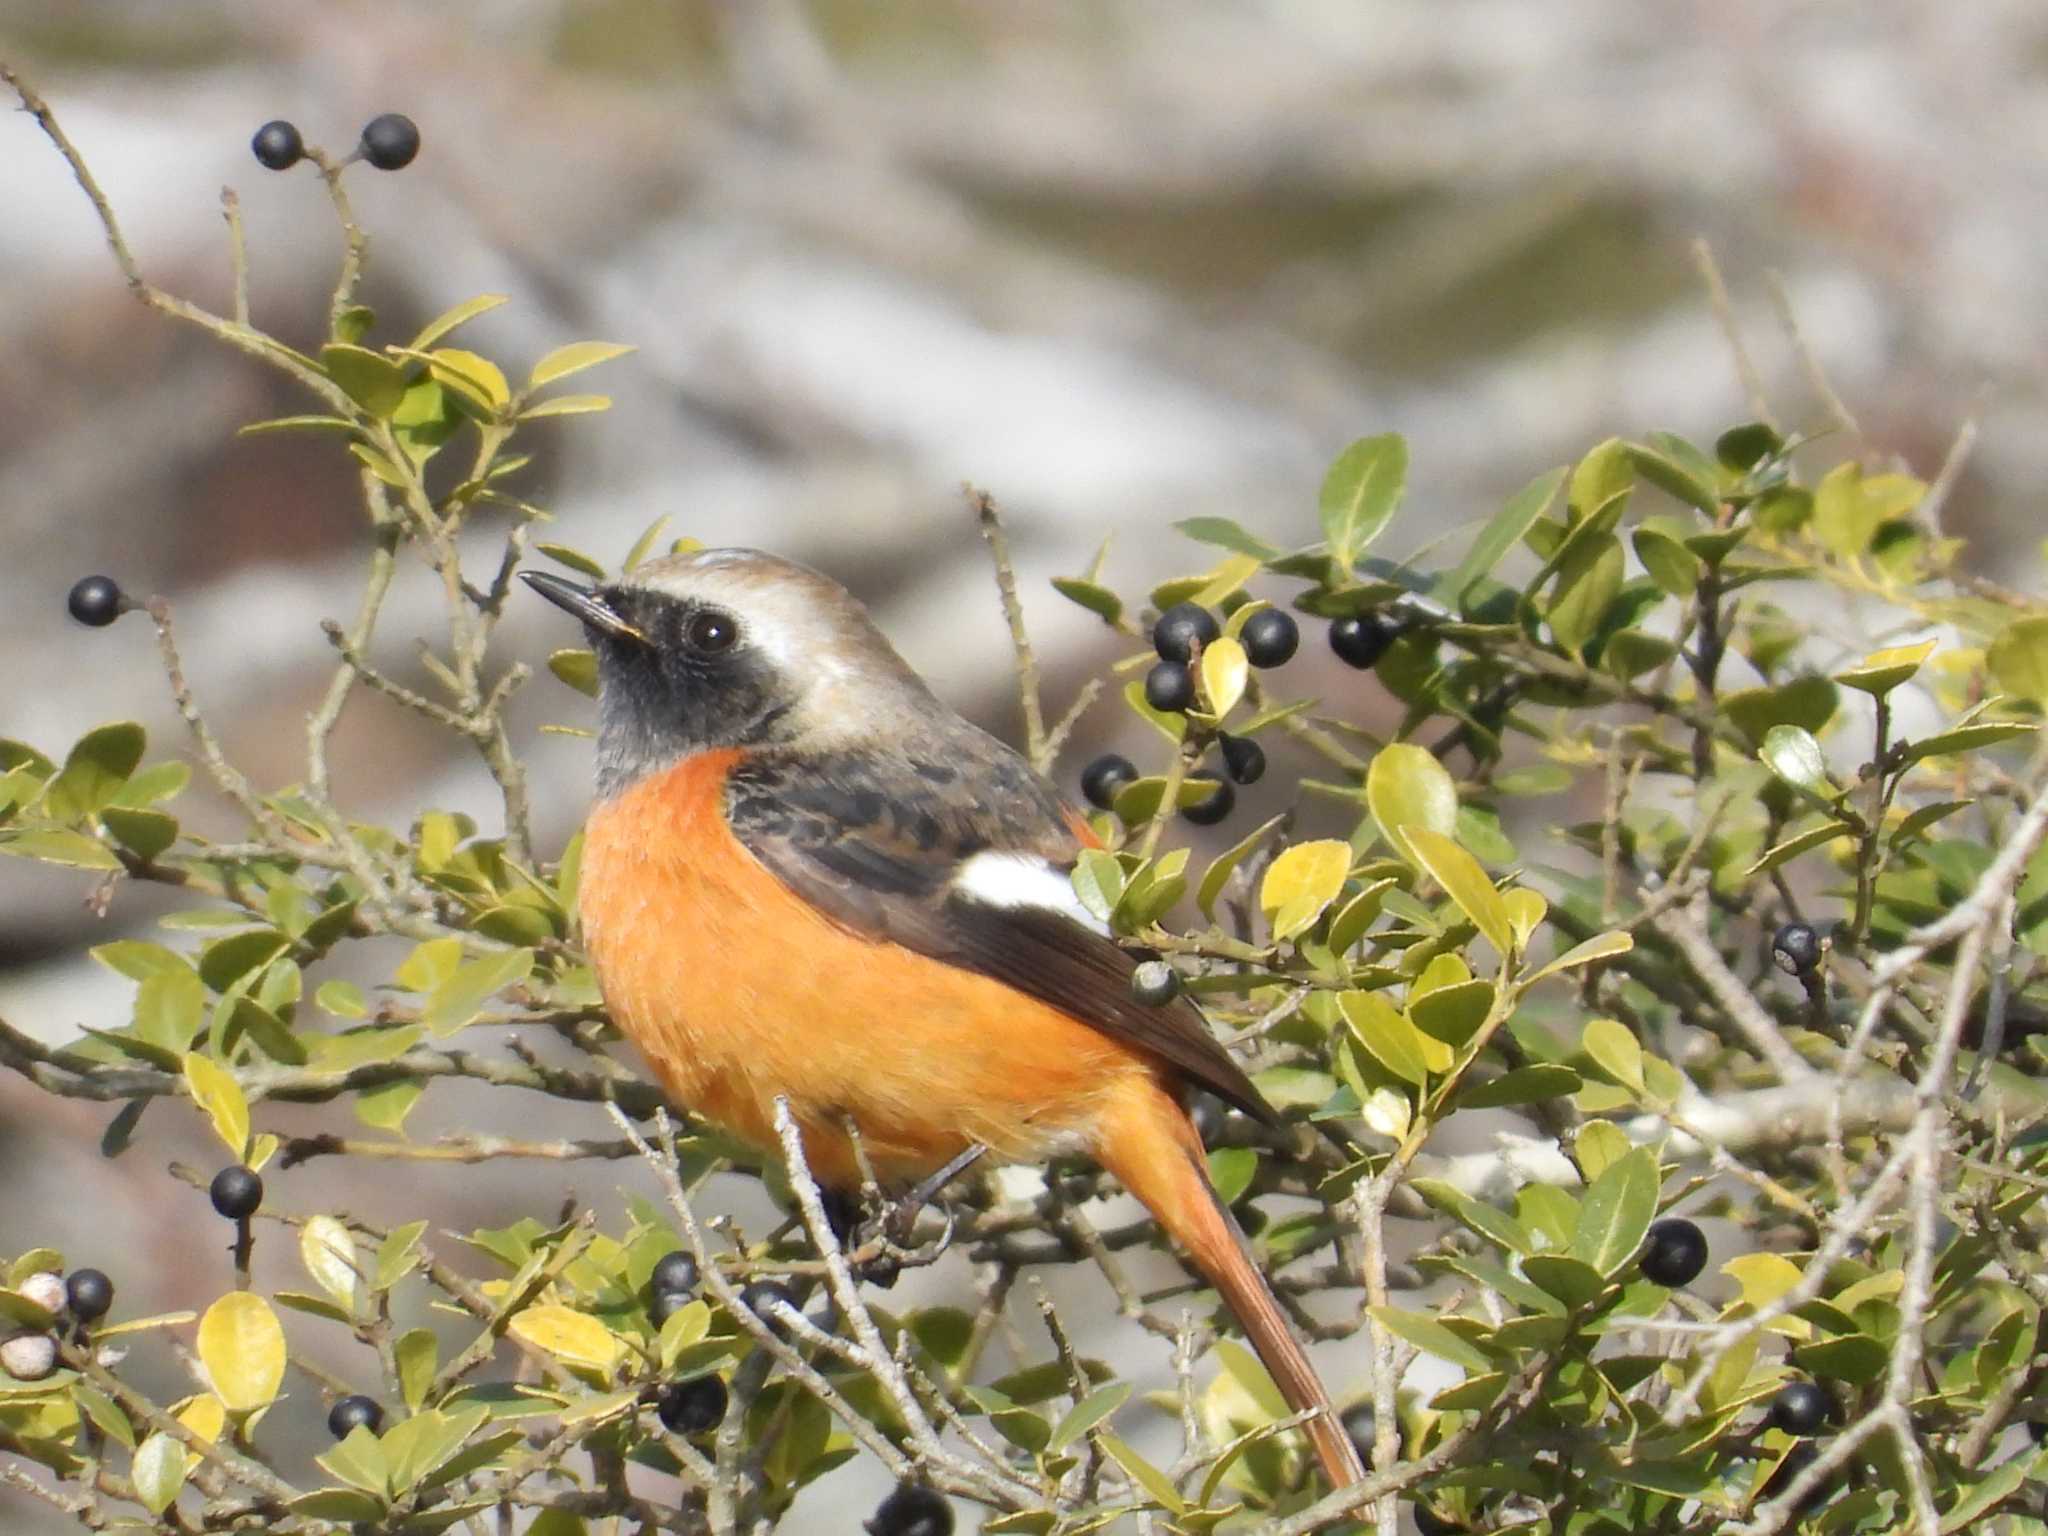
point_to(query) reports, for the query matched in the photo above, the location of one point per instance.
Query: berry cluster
(1270, 638)
(389, 142)
(30, 1354)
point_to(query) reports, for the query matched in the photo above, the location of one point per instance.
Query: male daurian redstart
(804, 876)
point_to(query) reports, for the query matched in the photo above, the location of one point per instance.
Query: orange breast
(736, 990)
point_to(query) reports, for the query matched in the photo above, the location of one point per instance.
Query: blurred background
(1118, 261)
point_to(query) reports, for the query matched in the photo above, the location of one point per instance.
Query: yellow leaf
(214, 1089)
(241, 1344)
(1224, 670)
(1301, 883)
(574, 358)
(328, 1253)
(471, 375)
(573, 1336)
(1764, 1277)
(1526, 910)
(206, 1417)
(1407, 786)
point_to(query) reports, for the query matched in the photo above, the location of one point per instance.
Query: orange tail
(1149, 1144)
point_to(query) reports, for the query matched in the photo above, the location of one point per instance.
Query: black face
(676, 676)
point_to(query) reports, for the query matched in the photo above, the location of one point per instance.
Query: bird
(805, 877)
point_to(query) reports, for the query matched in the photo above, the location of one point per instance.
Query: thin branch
(1036, 743)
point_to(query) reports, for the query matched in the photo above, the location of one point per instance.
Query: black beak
(583, 602)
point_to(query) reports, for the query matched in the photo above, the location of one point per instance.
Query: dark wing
(879, 845)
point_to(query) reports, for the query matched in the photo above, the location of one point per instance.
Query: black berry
(1796, 949)
(1101, 779)
(1207, 812)
(1243, 759)
(236, 1192)
(1270, 637)
(2038, 1428)
(674, 1272)
(1170, 687)
(1181, 628)
(1208, 1115)
(88, 1292)
(912, 1511)
(759, 1297)
(278, 146)
(1429, 1523)
(666, 1304)
(390, 141)
(1360, 1425)
(1800, 1408)
(97, 601)
(691, 1407)
(1360, 641)
(1674, 1252)
(352, 1411)
(1155, 983)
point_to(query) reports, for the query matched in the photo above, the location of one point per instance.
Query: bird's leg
(902, 1216)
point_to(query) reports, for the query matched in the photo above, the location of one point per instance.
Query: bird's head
(731, 648)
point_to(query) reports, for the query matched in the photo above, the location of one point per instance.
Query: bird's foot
(878, 1246)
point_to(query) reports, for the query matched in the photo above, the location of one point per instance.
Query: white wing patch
(1013, 880)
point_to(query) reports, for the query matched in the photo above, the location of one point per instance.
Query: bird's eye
(711, 630)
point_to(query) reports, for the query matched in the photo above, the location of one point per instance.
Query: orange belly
(737, 991)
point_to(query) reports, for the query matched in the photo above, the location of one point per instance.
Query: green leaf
(1601, 946)
(2018, 658)
(95, 770)
(1093, 596)
(336, 424)
(1245, 1369)
(1360, 493)
(1301, 883)
(1674, 568)
(360, 1462)
(1394, 1042)
(369, 378)
(1792, 847)
(567, 405)
(1524, 1085)
(242, 1347)
(417, 1352)
(158, 1471)
(1881, 671)
(1147, 1476)
(1849, 507)
(1667, 464)
(1502, 532)
(1432, 1337)
(1221, 531)
(1464, 882)
(385, 1107)
(1615, 1050)
(214, 1089)
(1218, 874)
(1806, 701)
(1090, 1411)
(577, 668)
(449, 319)
(1588, 581)
(574, 559)
(1572, 1281)
(1406, 786)
(574, 358)
(1791, 753)
(72, 849)
(456, 1002)
(143, 833)
(226, 961)
(1616, 1212)
(1969, 738)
